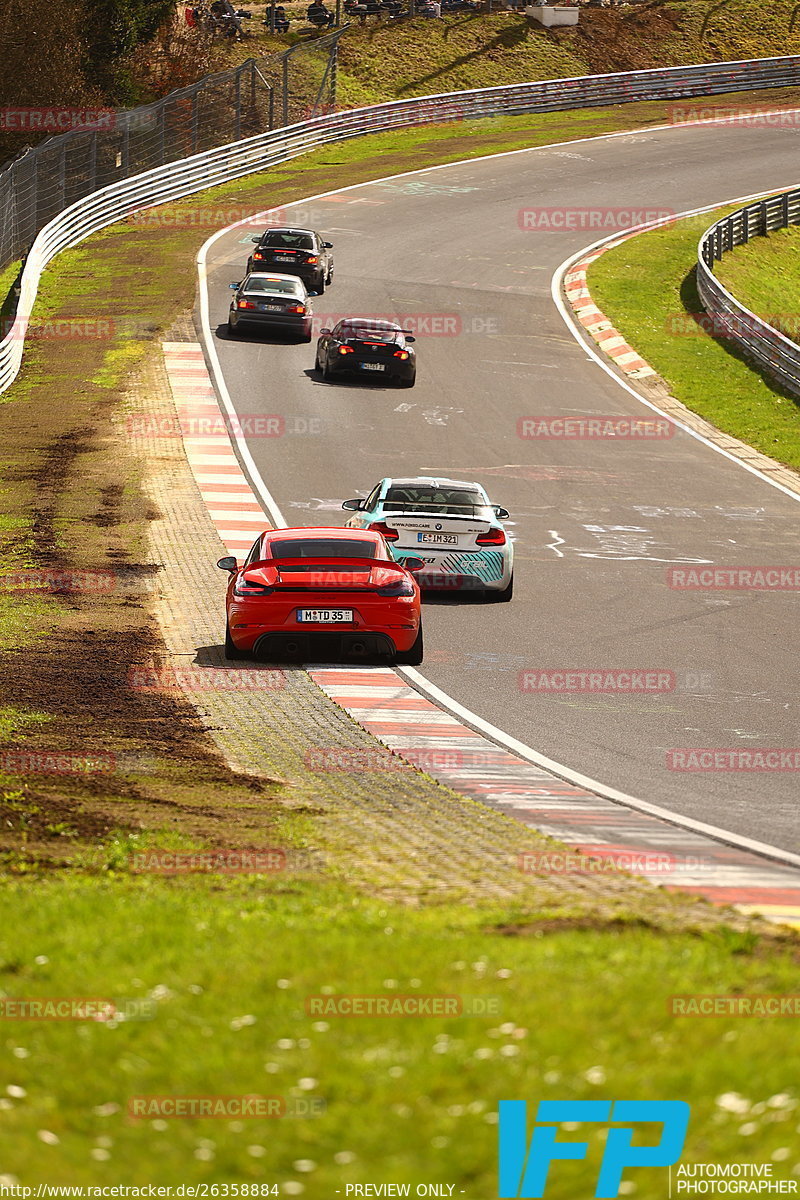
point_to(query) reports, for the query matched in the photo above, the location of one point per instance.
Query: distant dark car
(272, 302)
(367, 347)
(298, 252)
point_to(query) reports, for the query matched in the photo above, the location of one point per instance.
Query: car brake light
(391, 535)
(402, 587)
(493, 537)
(258, 255)
(245, 304)
(401, 354)
(345, 349)
(298, 308)
(245, 587)
(312, 258)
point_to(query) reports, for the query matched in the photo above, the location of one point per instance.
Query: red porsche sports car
(323, 594)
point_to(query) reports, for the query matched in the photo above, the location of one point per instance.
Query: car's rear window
(294, 241)
(255, 284)
(365, 334)
(457, 501)
(321, 549)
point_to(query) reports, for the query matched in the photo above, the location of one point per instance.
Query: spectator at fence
(318, 14)
(281, 19)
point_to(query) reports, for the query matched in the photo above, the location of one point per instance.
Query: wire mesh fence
(260, 95)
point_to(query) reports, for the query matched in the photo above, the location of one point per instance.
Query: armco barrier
(770, 349)
(232, 161)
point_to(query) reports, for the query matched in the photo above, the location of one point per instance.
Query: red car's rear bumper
(380, 624)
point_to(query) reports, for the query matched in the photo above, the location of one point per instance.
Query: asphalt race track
(596, 523)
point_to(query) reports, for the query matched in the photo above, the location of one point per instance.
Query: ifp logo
(524, 1169)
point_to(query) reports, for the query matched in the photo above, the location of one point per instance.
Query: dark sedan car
(298, 252)
(277, 302)
(367, 347)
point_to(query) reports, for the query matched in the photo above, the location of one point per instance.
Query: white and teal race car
(449, 523)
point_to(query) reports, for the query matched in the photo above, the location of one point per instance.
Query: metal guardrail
(226, 163)
(258, 95)
(765, 344)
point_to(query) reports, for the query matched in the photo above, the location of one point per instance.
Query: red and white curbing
(433, 740)
(596, 323)
(226, 493)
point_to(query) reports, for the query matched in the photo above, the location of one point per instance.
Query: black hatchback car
(367, 347)
(294, 252)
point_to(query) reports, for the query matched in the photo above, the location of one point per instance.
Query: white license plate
(373, 366)
(438, 539)
(283, 258)
(271, 307)
(324, 616)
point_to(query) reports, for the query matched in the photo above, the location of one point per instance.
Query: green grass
(407, 1099)
(647, 288)
(765, 276)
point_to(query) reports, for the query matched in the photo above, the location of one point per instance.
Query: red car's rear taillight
(346, 350)
(296, 308)
(258, 255)
(493, 537)
(245, 304)
(391, 535)
(312, 258)
(401, 354)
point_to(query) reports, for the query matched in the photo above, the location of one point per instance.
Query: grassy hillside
(380, 61)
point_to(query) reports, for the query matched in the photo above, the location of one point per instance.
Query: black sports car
(294, 252)
(278, 302)
(361, 346)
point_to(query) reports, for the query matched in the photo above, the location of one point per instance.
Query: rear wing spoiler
(322, 564)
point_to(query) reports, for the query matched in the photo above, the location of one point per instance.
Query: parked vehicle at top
(449, 523)
(277, 302)
(366, 346)
(300, 252)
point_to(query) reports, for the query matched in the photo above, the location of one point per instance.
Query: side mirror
(324, 331)
(413, 564)
(328, 245)
(256, 241)
(410, 339)
(227, 564)
(235, 286)
(502, 514)
(354, 505)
